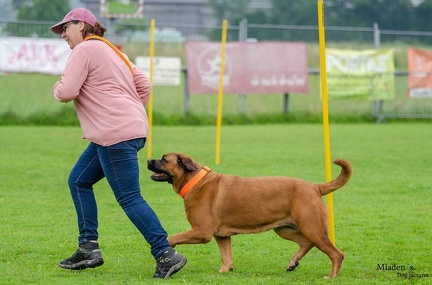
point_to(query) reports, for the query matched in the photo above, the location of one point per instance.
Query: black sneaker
(169, 263)
(88, 255)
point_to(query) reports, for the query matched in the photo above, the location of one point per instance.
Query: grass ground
(382, 216)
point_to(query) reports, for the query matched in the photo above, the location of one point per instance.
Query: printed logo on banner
(360, 74)
(208, 66)
(33, 55)
(419, 73)
(166, 70)
(250, 68)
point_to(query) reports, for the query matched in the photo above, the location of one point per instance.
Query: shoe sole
(84, 264)
(176, 268)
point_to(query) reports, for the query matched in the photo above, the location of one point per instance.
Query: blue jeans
(119, 164)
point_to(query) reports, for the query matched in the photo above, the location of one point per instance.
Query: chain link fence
(171, 38)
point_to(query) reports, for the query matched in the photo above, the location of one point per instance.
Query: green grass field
(382, 216)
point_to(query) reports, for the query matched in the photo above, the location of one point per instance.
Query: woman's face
(72, 33)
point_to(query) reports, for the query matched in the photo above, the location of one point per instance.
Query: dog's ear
(186, 163)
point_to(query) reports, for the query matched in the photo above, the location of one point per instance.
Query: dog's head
(174, 168)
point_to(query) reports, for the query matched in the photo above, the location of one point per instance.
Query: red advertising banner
(250, 68)
(419, 73)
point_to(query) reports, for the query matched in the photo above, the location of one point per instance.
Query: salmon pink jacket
(110, 102)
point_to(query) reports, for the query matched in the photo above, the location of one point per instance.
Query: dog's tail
(339, 181)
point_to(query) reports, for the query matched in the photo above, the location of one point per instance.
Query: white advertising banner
(166, 70)
(33, 55)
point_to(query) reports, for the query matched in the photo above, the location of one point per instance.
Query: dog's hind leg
(336, 256)
(224, 244)
(297, 237)
(318, 235)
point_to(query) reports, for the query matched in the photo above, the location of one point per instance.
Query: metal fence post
(186, 92)
(286, 103)
(377, 108)
(377, 36)
(242, 38)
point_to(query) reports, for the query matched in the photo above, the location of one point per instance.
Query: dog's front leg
(193, 236)
(224, 244)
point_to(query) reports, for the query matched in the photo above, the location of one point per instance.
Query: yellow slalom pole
(220, 96)
(150, 102)
(324, 99)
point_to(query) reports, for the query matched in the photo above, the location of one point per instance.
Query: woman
(110, 95)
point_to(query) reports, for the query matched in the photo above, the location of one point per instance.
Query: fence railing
(120, 31)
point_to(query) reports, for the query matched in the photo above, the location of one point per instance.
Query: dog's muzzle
(158, 175)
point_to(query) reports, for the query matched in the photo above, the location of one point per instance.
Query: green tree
(423, 14)
(294, 12)
(16, 4)
(37, 10)
(394, 14)
(231, 10)
(408, 15)
(389, 14)
(43, 10)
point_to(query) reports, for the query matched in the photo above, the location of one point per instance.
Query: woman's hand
(55, 86)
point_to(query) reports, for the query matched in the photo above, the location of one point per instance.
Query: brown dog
(221, 205)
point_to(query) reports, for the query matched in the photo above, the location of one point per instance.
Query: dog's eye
(179, 160)
(165, 159)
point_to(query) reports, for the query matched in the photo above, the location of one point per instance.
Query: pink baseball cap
(77, 14)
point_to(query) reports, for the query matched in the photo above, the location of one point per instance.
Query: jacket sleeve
(142, 84)
(73, 77)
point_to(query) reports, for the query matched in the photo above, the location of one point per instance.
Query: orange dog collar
(194, 181)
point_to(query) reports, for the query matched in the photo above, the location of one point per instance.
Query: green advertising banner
(365, 74)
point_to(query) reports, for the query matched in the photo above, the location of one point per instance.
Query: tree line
(413, 15)
(410, 15)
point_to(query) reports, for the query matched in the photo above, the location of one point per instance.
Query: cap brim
(58, 28)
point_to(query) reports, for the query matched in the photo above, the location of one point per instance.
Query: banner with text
(32, 55)
(250, 68)
(166, 70)
(419, 73)
(365, 74)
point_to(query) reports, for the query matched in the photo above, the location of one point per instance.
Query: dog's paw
(291, 268)
(171, 242)
(224, 269)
